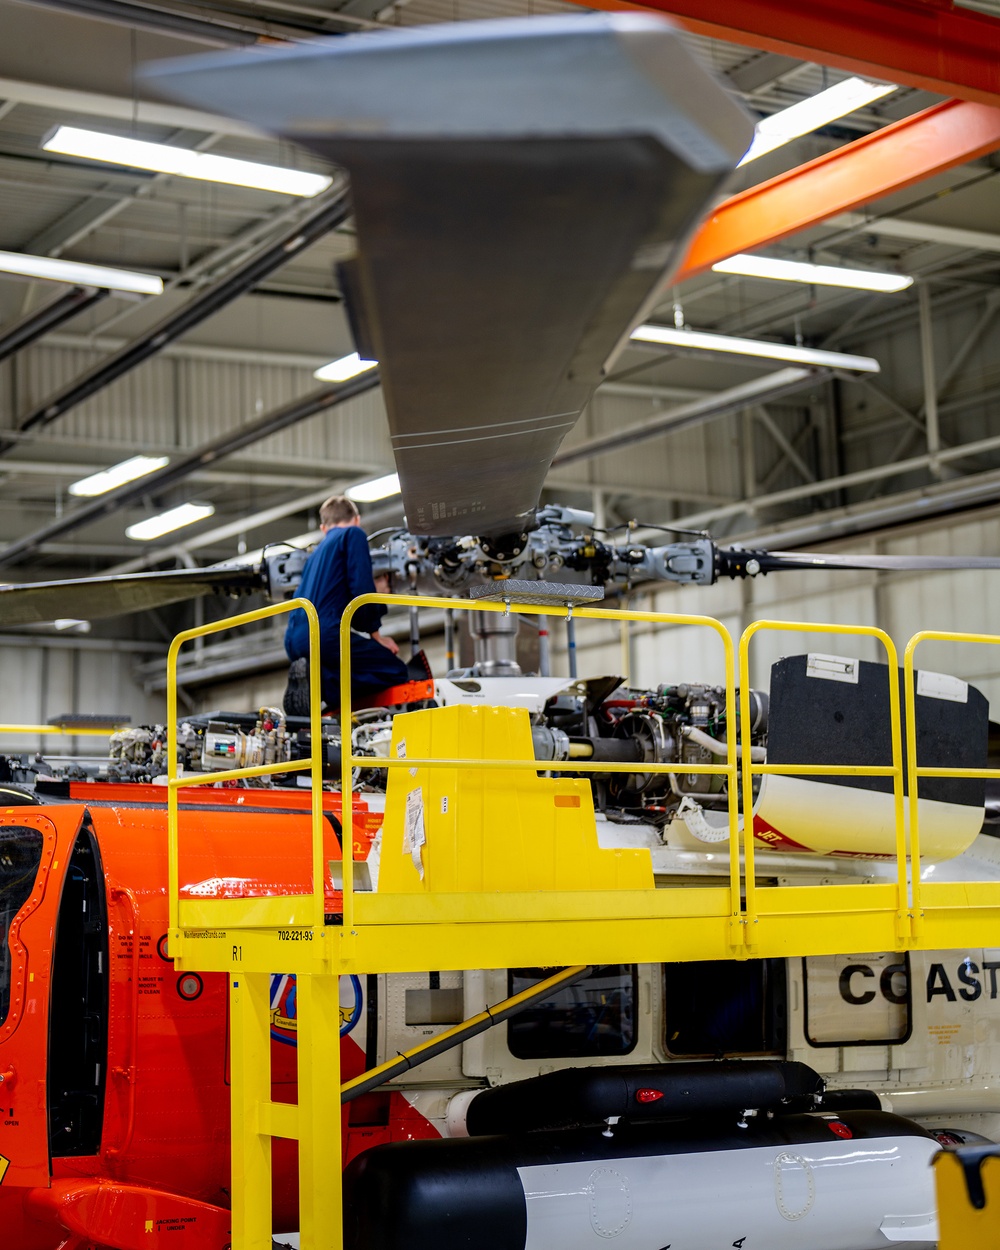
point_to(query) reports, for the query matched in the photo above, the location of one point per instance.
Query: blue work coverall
(336, 572)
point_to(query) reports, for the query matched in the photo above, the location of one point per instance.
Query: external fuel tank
(855, 1180)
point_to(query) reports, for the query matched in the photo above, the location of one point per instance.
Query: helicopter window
(721, 1007)
(596, 1016)
(78, 1026)
(857, 1000)
(20, 857)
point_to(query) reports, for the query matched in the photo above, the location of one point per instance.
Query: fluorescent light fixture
(77, 273)
(817, 275)
(377, 488)
(344, 368)
(698, 340)
(809, 115)
(174, 519)
(118, 475)
(71, 622)
(166, 159)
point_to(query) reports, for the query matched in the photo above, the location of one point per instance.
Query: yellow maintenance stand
(459, 889)
(968, 1192)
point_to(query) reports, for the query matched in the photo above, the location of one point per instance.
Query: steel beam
(720, 404)
(878, 164)
(930, 44)
(917, 231)
(888, 509)
(53, 314)
(329, 213)
(790, 454)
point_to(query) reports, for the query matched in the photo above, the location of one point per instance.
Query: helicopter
(114, 1067)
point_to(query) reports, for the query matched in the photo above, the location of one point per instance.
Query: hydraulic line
(757, 753)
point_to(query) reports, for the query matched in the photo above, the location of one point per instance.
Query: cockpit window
(20, 858)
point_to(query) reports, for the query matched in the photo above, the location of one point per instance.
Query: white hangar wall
(45, 678)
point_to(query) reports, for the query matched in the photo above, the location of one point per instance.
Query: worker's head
(336, 512)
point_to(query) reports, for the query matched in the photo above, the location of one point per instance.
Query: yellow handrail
(895, 770)
(745, 900)
(348, 760)
(315, 761)
(913, 771)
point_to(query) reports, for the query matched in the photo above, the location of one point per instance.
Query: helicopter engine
(673, 724)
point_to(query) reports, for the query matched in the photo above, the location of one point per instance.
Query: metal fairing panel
(821, 717)
(521, 191)
(824, 720)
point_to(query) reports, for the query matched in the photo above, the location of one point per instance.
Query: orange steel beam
(888, 160)
(918, 43)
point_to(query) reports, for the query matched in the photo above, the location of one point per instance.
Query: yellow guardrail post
(314, 763)
(254, 1119)
(914, 771)
(895, 770)
(916, 916)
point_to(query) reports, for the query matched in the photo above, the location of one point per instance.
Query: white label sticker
(444, 805)
(414, 836)
(942, 686)
(401, 749)
(832, 668)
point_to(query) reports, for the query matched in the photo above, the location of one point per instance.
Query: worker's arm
(360, 580)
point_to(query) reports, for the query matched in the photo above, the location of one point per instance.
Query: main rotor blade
(94, 598)
(774, 560)
(521, 190)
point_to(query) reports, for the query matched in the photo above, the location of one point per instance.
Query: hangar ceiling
(251, 308)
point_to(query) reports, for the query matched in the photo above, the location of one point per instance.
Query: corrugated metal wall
(179, 401)
(695, 463)
(41, 681)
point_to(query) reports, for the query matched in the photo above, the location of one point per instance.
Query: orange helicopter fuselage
(150, 1166)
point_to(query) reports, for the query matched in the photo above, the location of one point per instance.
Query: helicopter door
(31, 848)
(78, 1032)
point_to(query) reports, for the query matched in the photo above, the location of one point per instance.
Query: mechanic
(337, 571)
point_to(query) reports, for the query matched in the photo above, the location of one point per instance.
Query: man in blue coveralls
(337, 571)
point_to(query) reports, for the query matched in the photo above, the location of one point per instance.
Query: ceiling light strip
(377, 488)
(701, 341)
(167, 522)
(77, 273)
(344, 368)
(816, 275)
(109, 479)
(164, 158)
(811, 114)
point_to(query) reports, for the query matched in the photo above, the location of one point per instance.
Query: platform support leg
(320, 1166)
(250, 1042)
